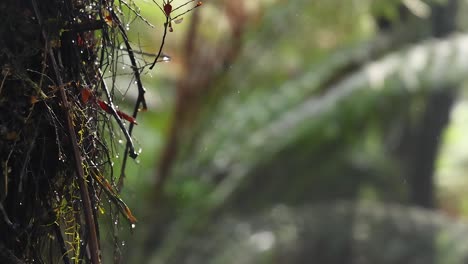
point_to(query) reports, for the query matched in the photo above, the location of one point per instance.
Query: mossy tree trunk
(52, 151)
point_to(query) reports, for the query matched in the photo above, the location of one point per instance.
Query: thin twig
(61, 241)
(5, 74)
(26, 160)
(162, 10)
(117, 118)
(86, 201)
(141, 93)
(5, 216)
(137, 13)
(182, 5)
(135, 68)
(149, 54)
(183, 13)
(162, 43)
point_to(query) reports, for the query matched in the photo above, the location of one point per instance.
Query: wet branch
(86, 201)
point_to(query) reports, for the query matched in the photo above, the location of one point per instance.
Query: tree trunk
(49, 138)
(427, 134)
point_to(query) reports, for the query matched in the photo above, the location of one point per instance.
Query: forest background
(299, 102)
(289, 131)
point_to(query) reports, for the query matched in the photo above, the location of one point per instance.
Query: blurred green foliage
(305, 113)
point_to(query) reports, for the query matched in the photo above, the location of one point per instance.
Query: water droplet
(123, 243)
(120, 141)
(166, 58)
(116, 222)
(133, 226)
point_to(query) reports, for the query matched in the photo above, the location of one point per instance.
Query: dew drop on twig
(165, 58)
